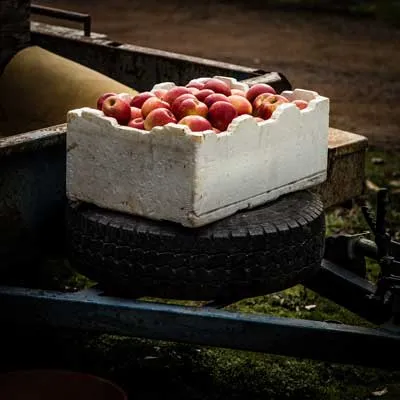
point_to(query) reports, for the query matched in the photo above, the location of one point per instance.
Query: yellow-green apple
(242, 105)
(117, 108)
(196, 123)
(269, 105)
(159, 117)
(212, 98)
(160, 93)
(221, 114)
(177, 101)
(140, 98)
(137, 123)
(258, 89)
(301, 104)
(101, 99)
(218, 86)
(190, 107)
(238, 92)
(195, 84)
(136, 112)
(204, 93)
(175, 92)
(152, 103)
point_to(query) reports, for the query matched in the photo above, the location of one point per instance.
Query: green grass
(153, 368)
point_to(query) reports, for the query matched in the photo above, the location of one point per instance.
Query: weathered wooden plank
(346, 168)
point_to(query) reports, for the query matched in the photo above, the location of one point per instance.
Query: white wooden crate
(195, 178)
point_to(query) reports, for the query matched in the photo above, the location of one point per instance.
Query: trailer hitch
(350, 251)
(388, 285)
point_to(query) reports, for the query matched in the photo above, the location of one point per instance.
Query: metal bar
(381, 237)
(367, 248)
(350, 291)
(64, 14)
(291, 337)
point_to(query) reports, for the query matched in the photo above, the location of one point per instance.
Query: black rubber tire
(251, 253)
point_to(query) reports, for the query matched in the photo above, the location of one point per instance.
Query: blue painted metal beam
(88, 310)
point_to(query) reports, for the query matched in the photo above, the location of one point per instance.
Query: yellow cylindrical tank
(38, 88)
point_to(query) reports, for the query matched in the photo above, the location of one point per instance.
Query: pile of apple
(206, 105)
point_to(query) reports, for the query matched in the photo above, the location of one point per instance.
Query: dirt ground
(355, 62)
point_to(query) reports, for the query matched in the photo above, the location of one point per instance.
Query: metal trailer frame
(341, 278)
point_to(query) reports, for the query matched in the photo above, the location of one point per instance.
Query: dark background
(351, 56)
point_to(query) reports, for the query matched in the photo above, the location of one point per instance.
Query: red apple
(258, 89)
(216, 130)
(268, 98)
(178, 100)
(195, 84)
(238, 92)
(204, 93)
(101, 99)
(242, 105)
(260, 99)
(218, 86)
(117, 108)
(140, 98)
(152, 103)
(160, 93)
(277, 98)
(136, 113)
(190, 107)
(194, 90)
(301, 104)
(196, 123)
(159, 117)
(137, 123)
(126, 97)
(264, 111)
(221, 114)
(212, 98)
(175, 92)
(269, 105)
